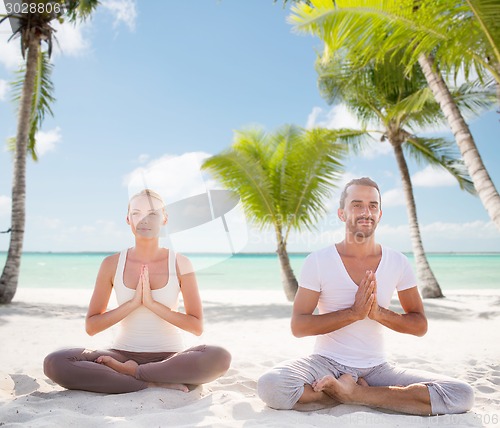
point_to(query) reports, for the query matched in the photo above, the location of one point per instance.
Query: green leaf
(283, 178)
(442, 153)
(42, 97)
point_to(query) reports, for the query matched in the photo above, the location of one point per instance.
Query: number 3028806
(15, 8)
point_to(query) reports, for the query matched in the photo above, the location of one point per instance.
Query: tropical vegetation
(381, 95)
(32, 25)
(445, 37)
(283, 180)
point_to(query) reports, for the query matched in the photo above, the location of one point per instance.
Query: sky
(145, 91)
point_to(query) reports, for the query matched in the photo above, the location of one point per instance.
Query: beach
(253, 325)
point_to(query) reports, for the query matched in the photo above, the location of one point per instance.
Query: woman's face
(146, 216)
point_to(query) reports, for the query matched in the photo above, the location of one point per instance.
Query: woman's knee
(221, 358)
(53, 363)
(57, 366)
(215, 357)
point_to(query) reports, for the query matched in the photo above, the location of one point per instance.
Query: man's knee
(467, 401)
(272, 391)
(451, 397)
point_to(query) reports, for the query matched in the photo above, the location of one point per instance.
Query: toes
(362, 382)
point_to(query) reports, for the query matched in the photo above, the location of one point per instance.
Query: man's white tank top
(142, 330)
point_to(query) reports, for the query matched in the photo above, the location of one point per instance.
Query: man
(352, 283)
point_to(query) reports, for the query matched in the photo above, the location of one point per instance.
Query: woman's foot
(176, 386)
(128, 367)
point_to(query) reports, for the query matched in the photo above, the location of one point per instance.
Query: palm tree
(448, 35)
(32, 29)
(380, 93)
(283, 179)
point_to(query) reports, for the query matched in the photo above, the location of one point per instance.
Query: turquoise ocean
(245, 271)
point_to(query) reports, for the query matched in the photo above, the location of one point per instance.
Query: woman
(148, 350)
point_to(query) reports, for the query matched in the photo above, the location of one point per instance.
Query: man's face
(146, 216)
(361, 211)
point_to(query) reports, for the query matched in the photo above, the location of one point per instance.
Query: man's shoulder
(322, 252)
(392, 254)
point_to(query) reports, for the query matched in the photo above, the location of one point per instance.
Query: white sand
(463, 341)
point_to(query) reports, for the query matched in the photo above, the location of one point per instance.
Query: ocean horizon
(252, 271)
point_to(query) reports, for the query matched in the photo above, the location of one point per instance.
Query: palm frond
(487, 13)
(80, 9)
(442, 153)
(42, 97)
(244, 169)
(474, 98)
(283, 178)
(369, 29)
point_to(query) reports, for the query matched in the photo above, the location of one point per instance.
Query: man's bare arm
(304, 323)
(413, 321)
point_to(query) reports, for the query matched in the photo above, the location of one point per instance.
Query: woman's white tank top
(142, 330)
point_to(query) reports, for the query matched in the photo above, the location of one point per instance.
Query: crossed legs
(319, 380)
(114, 371)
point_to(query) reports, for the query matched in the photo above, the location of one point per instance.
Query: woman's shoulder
(110, 262)
(183, 264)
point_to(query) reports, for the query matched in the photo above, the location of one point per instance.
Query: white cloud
(340, 117)
(46, 141)
(4, 87)
(337, 117)
(70, 39)
(440, 236)
(393, 198)
(10, 52)
(459, 231)
(178, 178)
(143, 158)
(49, 223)
(433, 177)
(174, 177)
(123, 11)
(5, 205)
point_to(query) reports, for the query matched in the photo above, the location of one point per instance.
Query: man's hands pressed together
(365, 301)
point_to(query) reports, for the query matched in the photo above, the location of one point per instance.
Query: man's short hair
(363, 181)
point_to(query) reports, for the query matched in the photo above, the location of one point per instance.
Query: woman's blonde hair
(150, 194)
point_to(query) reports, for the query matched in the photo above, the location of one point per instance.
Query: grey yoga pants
(282, 386)
(77, 369)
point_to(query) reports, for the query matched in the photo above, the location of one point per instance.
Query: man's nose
(366, 211)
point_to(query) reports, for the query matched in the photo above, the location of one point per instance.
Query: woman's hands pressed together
(143, 294)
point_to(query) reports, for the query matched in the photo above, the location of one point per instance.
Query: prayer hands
(143, 295)
(147, 296)
(365, 301)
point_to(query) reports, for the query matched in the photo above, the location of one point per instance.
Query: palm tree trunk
(482, 181)
(288, 280)
(10, 274)
(428, 284)
(498, 86)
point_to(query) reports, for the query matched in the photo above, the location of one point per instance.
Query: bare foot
(177, 386)
(340, 389)
(128, 367)
(362, 382)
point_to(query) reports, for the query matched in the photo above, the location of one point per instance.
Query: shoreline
(268, 253)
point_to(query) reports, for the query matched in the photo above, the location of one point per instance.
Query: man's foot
(128, 367)
(362, 382)
(340, 389)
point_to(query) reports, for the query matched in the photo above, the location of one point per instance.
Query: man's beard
(359, 232)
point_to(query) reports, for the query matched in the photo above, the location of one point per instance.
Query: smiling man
(352, 283)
